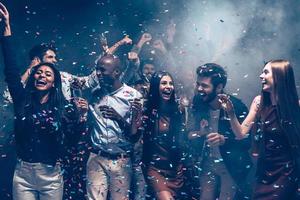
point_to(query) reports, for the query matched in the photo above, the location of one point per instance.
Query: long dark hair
(56, 100)
(154, 110)
(154, 99)
(285, 93)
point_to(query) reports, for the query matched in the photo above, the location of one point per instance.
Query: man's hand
(159, 45)
(171, 30)
(110, 113)
(126, 40)
(215, 139)
(113, 49)
(34, 62)
(133, 56)
(146, 37)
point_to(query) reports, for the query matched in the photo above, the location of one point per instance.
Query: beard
(205, 98)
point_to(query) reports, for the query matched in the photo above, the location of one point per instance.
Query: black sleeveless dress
(276, 173)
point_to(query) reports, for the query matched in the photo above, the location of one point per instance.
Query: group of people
(144, 141)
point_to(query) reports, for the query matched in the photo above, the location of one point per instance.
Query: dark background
(74, 26)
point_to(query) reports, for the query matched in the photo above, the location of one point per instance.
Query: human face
(44, 78)
(205, 89)
(148, 70)
(105, 72)
(50, 57)
(267, 78)
(166, 88)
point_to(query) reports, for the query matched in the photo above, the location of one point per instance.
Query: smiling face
(267, 78)
(148, 70)
(108, 71)
(50, 57)
(166, 88)
(205, 89)
(44, 78)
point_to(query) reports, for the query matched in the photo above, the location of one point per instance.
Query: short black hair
(214, 71)
(147, 61)
(40, 50)
(115, 59)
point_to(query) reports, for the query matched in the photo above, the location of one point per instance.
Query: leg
(23, 183)
(139, 184)
(97, 183)
(119, 173)
(50, 182)
(227, 184)
(208, 182)
(139, 187)
(164, 195)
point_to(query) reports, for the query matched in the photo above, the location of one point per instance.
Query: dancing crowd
(128, 131)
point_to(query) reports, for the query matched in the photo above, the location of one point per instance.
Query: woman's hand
(137, 112)
(82, 107)
(4, 15)
(226, 104)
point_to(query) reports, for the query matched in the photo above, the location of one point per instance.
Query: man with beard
(223, 160)
(116, 114)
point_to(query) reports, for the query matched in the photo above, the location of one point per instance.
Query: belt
(110, 156)
(37, 164)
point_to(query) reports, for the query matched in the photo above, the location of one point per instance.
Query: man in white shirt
(115, 111)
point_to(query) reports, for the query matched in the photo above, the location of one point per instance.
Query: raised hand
(126, 40)
(171, 30)
(34, 62)
(159, 45)
(133, 56)
(226, 104)
(4, 15)
(113, 49)
(146, 37)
